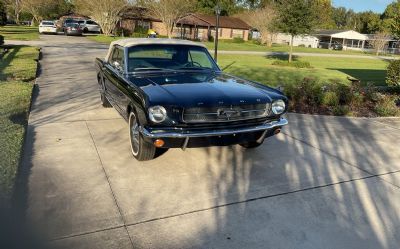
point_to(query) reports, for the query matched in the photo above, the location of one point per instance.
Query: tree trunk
(17, 17)
(291, 48)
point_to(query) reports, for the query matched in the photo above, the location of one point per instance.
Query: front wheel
(141, 150)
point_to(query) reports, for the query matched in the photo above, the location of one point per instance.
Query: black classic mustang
(173, 95)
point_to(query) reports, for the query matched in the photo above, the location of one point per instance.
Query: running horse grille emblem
(228, 113)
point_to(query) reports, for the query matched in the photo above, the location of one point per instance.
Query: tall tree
(262, 19)
(105, 12)
(391, 19)
(228, 7)
(3, 15)
(14, 9)
(370, 22)
(296, 17)
(36, 8)
(324, 11)
(169, 11)
(379, 41)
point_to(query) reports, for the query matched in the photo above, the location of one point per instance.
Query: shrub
(256, 41)
(237, 40)
(296, 64)
(387, 106)
(330, 99)
(393, 73)
(302, 46)
(139, 35)
(307, 93)
(211, 38)
(141, 30)
(341, 110)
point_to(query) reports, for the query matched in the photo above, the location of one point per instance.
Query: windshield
(47, 23)
(169, 57)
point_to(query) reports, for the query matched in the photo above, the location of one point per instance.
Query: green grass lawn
(14, 32)
(259, 68)
(228, 45)
(17, 70)
(325, 69)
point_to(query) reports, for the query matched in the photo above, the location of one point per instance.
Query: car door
(112, 72)
(116, 84)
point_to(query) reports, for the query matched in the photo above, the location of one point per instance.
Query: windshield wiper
(196, 68)
(152, 69)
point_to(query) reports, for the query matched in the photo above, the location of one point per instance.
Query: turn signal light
(159, 143)
(277, 131)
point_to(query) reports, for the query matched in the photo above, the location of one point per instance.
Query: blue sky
(362, 5)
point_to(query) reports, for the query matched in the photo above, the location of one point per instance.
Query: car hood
(202, 89)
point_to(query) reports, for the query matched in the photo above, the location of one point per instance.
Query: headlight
(278, 107)
(157, 114)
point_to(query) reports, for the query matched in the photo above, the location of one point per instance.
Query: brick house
(192, 26)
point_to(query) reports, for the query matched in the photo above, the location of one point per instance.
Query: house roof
(140, 13)
(342, 34)
(210, 20)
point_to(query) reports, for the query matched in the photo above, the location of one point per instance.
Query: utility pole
(217, 12)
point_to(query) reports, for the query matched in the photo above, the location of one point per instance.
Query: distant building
(193, 26)
(347, 39)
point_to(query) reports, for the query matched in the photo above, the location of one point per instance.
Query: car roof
(129, 42)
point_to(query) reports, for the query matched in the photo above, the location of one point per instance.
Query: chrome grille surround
(225, 113)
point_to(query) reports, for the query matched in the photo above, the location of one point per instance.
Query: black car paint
(176, 90)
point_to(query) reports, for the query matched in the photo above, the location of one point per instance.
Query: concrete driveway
(326, 182)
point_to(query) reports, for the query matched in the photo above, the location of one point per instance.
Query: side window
(117, 56)
(200, 58)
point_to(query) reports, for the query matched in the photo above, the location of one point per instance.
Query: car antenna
(228, 66)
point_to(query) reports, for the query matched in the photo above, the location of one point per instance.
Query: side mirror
(117, 66)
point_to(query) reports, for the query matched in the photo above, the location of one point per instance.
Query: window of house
(220, 32)
(231, 35)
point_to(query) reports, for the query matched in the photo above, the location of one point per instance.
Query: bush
(237, 40)
(330, 99)
(393, 73)
(341, 110)
(387, 106)
(140, 30)
(296, 64)
(211, 38)
(139, 35)
(308, 93)
(256, 41)
(302, 46)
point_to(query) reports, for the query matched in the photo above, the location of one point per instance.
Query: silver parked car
(89, 26)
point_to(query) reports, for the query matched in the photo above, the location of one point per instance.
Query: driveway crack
(109, 184)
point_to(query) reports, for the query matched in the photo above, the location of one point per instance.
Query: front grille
(225, 113)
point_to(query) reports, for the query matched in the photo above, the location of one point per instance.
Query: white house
(349, 39)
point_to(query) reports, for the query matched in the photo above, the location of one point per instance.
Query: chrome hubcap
(134, 134)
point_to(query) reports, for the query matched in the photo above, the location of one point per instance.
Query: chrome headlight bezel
(157, 114)
(278, 107)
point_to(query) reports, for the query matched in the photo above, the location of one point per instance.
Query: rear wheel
(141, 150)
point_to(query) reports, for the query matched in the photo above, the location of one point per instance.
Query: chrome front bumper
(210, 133)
